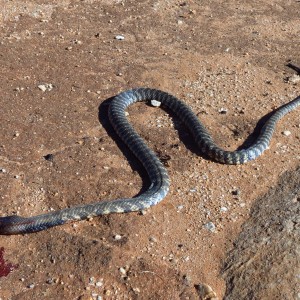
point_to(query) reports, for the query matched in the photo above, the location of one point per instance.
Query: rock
(206, 292)
(119, 37)
(210, 226)
(286, 133)
(155, 103)
(265, 261)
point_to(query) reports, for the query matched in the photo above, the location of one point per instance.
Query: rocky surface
(265, 260)
(61, 62)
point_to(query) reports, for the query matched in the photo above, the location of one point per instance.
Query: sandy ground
(226, 59)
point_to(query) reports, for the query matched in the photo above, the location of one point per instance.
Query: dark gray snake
(158, 175)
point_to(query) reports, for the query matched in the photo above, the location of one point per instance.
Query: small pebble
(210, 226)
(180, 207)
(152, 239)
(286, 133)
(45, 87)
(223, 110)
(2, 170)
(122, 271)
(119, 37)
(206, 292)
(186, 280)
(18, 89)
(136, 290)
(99, 283)
(31, 286)
(117, 237)
(49, 157)
(223, 209)
(42, 87)
(49, 280)
(155, 103)
(236, 192)
(91, 280)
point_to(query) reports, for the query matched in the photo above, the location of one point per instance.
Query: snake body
(158, 176)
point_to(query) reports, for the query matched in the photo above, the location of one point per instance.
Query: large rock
(265, 263)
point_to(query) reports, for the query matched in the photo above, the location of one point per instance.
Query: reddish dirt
(214, 55)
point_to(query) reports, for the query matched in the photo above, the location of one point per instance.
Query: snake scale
(158, 176)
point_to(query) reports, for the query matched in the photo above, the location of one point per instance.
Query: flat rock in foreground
(265, 263)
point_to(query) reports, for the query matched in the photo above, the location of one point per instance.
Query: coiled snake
(158, 175)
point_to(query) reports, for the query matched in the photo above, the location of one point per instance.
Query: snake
(158, 176)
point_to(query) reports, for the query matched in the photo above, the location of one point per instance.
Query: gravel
(210, 226)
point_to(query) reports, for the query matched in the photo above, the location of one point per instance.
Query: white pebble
(210, 226)
(122, 271)
(99, 283)
(119, 37)
(180, 207)
(223, 110)
(136, 290)
(223, 209)
(117, 237)
(31, 286)
(286, 133)
(152, 239)
(91, 280)
(42, 87)
(155, 103)
(3, 170)
(45, 87)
